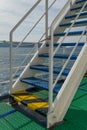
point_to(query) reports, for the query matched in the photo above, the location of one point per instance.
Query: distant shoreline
(25, 44)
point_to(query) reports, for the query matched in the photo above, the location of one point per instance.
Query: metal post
(46, 23)
(51, 71)
(86, 34)
(11, 63)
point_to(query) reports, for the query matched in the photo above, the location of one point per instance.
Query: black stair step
(81, 23)
(67, 44)
(60, 56)
(41, 83)
(45, 68)
(34, 115)
(42, 111)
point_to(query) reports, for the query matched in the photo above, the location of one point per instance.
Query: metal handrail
(51, 84)
(66, 6)
(69, 28)
(11, 37)
(32, 30)
(64, 39)
(35, 26)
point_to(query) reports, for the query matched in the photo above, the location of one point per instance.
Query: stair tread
(67, 44)
(74, 15)
(84, 22)
(77, 8)
(62, 56)
(46, 68)
(40, 83)
(74, 33)
(80, 1)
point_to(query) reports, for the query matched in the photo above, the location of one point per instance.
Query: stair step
(80, 1)
(74, 15)
(60, 56)
(45, 68)
(77, 8)
(74, 33)
(66, 44)
(35, 115)
(41, 83)
(78, 23)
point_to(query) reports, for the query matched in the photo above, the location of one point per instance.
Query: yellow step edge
(37, 105)
(24, 97)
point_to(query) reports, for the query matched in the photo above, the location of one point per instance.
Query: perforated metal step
(46, 69)
(41, 83)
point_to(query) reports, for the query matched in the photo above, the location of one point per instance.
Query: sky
(11, 11)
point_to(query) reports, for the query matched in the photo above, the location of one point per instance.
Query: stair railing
(16, 26)
(39, 41)
(60, 14)
(52, 52)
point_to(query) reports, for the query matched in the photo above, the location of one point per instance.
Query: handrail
(69, 28)
(51, 53)
(36, 25)
(51, 85)
(45, 34)
(64, 39)
(16, 26)
(86, 34)
(68, 58)
(11, 39)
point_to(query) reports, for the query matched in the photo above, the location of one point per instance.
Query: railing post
(46, 19)
(51, 71)
(86, 34)
(11, 62)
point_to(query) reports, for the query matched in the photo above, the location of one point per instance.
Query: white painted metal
(69, 88)
(27, 72)
(73, 48)
(34, 27)
(46, 33)
(58, 108)
(57, 20)
(37, 24)
(53, 110)
(11, 39)
(86, 34)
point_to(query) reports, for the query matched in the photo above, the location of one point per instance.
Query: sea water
(5, 65)
(17, 59)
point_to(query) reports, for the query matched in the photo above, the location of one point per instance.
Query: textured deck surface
(75, 119)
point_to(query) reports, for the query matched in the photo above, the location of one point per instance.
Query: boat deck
(76, 117)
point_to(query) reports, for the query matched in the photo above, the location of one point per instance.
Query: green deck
(75, 119)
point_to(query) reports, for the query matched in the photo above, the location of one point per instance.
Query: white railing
(13, 30)
(52, 52)
(44, 35)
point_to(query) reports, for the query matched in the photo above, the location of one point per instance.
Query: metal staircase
(50, 80)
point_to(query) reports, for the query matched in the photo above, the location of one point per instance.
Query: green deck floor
(75, 119)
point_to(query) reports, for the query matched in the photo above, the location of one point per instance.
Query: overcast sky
(11, 12)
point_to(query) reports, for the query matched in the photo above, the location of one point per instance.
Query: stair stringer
(68, 90)
(27, 72)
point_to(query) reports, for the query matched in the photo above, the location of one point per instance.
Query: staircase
(62, 62)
